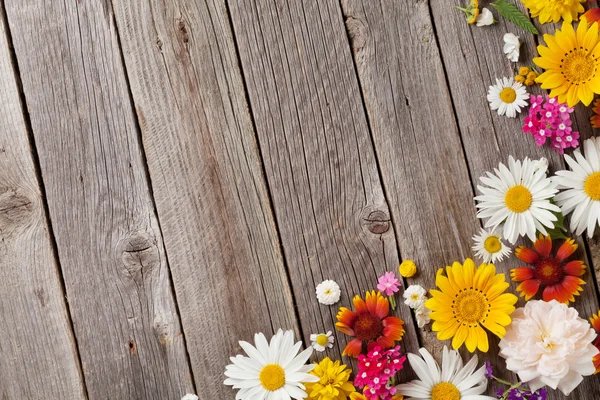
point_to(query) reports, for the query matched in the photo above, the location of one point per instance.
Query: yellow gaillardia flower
(333, 381)
(553, 11)
(572, 63)
(407, 269)
(470, 299)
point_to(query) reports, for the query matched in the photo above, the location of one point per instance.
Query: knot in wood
(16, 209)
(378, 222)
(183, 32)
(139, 253)
(163, 332)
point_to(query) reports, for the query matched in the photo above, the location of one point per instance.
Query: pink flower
(549, 119)
(375, 371)
(388, 284)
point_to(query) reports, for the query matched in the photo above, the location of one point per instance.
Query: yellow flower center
(414, 297)
(327, 291)
(508, 95)
(592, 186)
(492, 245)
(272, 377)
(470, 306)
(518, 199)
(578, 66)
(445, 391)
(322, 339)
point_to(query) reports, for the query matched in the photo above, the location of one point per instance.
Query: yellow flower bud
(520, 78)
(408, 269)
(529, 82)
(531, 76)
(524, 71)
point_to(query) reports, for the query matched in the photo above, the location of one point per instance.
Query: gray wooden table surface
(176, 175)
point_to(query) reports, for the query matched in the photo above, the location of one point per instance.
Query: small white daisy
(272, 371)
(485, 17)
(582, 184)
(422, 314)
(512, 46)
(322, 341)
(518, 196)
(190, 397)
(452, 382)
(489, 246)
(328, 292)
(508, 97)
(414, 296)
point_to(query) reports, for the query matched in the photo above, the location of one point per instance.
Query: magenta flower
(550, 120)
(376, 370)
(388, 284)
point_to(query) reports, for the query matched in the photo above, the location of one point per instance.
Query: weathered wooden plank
(109, 242)
(37, 349)
(416, 136)
(207, 178)
(318, 154)
(474, 55)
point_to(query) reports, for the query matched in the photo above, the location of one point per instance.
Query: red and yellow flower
(369, 324)
(595, 320)
(559, 279)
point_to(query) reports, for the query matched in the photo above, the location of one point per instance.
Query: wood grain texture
(109, 242)
(207, 178)
(37, 349)
(474, 55)
(416, 137)
(329, 203)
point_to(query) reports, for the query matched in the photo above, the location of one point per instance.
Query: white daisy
(272, 371)
(512, 46)
(518, 196)
(322, 341)
(582, 197)
(414, 296)
(452, 382)
(485, 17)
(489, 246)
(189, 397)
(422, 315)
(508, 97)
(328, 292)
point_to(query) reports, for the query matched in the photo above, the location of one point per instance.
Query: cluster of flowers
(376, 372)
(550, 120)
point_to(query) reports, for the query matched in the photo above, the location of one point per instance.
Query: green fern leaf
(512, 13)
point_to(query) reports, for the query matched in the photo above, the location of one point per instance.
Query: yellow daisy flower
(572, 63)
(468, 300)
(333, 381)
(553, 11)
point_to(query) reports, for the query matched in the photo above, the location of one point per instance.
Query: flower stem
(392, 302)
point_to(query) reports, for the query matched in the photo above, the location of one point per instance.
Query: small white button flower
(328, 292)
(322, 341)
(414, 296)
(422, 314)
(485, 17)
(511, 46)
(190, 397)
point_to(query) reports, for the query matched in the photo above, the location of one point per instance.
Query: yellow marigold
(408, 268)
(333, 381)
(470, 299)
(523, 71)
(572, 63)
(520, 78)
(553, 11)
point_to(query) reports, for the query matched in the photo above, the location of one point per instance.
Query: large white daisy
(518, 196)
(453, 382)
(508, 97)
(489, 246)
(582, 197)
(272, 371)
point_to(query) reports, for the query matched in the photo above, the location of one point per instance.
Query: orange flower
(595, 320)
(595, 119)
(559, 279)
(369, 324)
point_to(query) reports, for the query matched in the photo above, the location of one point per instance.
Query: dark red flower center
(368, 327)
(549, 271)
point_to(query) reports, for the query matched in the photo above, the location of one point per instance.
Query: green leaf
(512, 13)
(559, 230)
